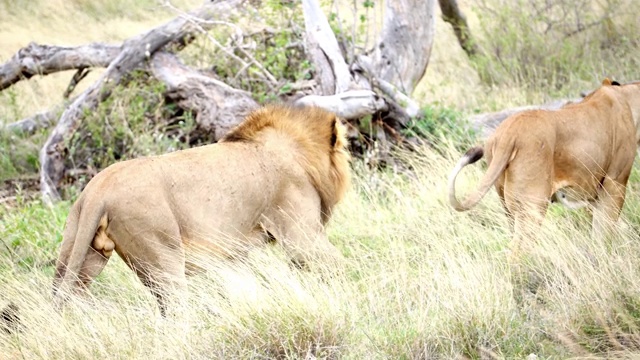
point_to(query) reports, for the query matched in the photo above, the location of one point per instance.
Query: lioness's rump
(579, 155)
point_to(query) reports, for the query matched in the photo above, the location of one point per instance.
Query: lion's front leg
(297, 226)
(307, 244)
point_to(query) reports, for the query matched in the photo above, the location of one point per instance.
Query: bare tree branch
(75, 80)
(268, 77)
(364, 65)
(35, 122)
(452, 14)
(352, 104)
(35, 59)
(334, 76)
(402, 56)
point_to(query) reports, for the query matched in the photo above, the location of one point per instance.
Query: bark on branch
(451, 13)
(402, 55)
(408, 106)
(134, 51)
(379, 83)
(333, 73)
(353, 104)
(30, 125)
(325, 52)
(35, 59)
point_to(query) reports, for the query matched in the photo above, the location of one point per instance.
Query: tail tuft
(474, 154)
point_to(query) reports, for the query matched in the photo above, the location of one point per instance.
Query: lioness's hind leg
(500, 191)
(607, 210)
(529, 208)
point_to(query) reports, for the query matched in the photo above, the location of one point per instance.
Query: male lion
(276, 176)
(580, 154)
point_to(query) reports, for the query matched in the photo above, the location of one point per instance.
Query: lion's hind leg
(97, 257)
(159, 263)
(92, 266)
(527, 222)
(95, 260)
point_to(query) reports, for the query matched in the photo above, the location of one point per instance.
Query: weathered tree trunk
(384, 79)
(452, 14)
(400, 58)
(333, 72)
(134, 51)
(402, 55)
(378, 84)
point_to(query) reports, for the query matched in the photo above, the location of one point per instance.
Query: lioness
(580, 154)
(276, 176)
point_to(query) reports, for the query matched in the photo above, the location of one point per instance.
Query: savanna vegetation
(422, 281)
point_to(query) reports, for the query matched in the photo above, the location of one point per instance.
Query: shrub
(554, 44)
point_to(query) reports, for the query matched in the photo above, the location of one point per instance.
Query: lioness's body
(580, 154)
(277, 175)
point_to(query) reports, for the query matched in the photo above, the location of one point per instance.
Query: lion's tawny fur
(277, 175)
(329, 174)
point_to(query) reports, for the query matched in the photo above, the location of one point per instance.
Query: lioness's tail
(79, 233)
(497, 166)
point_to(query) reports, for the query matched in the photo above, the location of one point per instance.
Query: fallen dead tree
(355, 83)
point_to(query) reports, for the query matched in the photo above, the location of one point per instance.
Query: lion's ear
(615, 83)
(334, 132)
(606, 81)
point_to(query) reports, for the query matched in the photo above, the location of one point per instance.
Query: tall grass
(422, 281)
